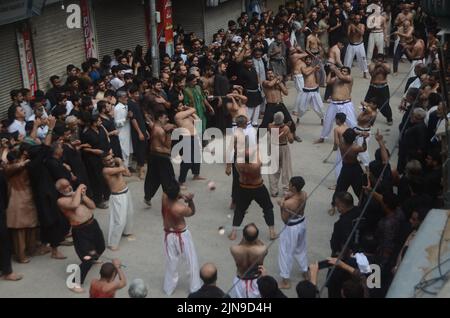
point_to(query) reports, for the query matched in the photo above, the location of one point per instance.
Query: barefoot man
(120, 202)
(415, 51)
(293, 237)
(341, 101)
(341, 127)
(251, 187)
(334, 58)
(355, 34)
(177, 239)
(366, 119)
(160, 169)
(249, 256)
(351, 173)
(87, 236)
(274, 89)
(186, 119)
(296, 56)
(379, 87)
(311, 94)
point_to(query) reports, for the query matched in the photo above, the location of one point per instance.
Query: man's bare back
(249, 173)
(160, 141)
(293, 206)
(174, 212)
(247, 255)
(185, 118)
(334, 56)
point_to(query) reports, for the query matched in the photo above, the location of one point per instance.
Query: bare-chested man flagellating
(121, 208)
(87, 236)
(177, 238)
(249, 256)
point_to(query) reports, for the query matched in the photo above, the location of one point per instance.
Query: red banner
(26, 58)
(88, 30)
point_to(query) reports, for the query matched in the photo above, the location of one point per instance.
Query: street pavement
(144, 258)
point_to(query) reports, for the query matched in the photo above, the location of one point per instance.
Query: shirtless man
(249, 257)
(160, 170)
(293, 238)
(377, 25)
(415, 51)
(177, 239)
(87, 236)
(314, 46)
(107, 285)
(366, 119)
(296, 56)
(120, 202)
(341, 127)
(311, 94)
(274, 89)
(187, 119)
(379, 87)
(251, 187)
(341, 100)
(355, 33)
(334, 58)
(351, 173)
(405, 35)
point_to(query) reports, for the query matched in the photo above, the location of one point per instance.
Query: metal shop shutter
(119, 25)
(10, 73)
(217, 18)
(188, 14)
(55, 45)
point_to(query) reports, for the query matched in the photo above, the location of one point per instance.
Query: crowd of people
(68, 150)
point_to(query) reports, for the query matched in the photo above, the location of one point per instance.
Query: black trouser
(100, 190)
(191, 154)
(351, 175)
(329, 88)
(271, 110)
(235, 184)
(5, 252)
(139, 149)
(397, 56)
(382, 96)
(159, 172)
(246, 196)
(88, 241)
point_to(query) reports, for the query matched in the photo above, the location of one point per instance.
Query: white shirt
(123, 126)
(69, 107)
(260, 69)
(27, 109)
(17, 126)
(116, 83)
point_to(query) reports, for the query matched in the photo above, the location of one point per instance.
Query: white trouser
(176, 246)
(376, 39)
(412, 72)
(253, 114)
(121, 217)
(338, 164)
(360, 53)
(310, 98)
(244, 288)
(126, 158)
(299, 83)
(293, 246)
(330, 116)
(364, 157)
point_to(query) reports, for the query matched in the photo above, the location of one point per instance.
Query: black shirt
(208, 291)
(96, 140)
(342, 229)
